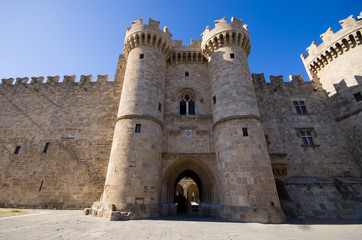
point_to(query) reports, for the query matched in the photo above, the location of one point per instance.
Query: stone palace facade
(188, 128)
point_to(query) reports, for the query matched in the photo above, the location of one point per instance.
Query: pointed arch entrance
(199, 172)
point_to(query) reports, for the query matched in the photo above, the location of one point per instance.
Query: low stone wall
(318, 198)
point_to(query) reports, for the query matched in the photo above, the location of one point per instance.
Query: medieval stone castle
(190, 129)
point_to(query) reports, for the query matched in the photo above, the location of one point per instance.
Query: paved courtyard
(72, 224)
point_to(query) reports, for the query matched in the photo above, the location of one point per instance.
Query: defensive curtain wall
(55, 140)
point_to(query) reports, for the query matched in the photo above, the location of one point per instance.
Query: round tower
(248, 191)
(133, 177)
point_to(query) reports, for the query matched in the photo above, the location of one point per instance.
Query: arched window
(187, 105)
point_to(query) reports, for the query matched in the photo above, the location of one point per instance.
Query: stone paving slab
(72, 224)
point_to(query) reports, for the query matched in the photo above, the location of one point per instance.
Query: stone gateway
(188, 129)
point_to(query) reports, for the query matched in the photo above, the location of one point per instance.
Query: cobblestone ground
(72, 224)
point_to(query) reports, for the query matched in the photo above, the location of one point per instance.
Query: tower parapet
(225, 34)
(333, 46)
(147, 35)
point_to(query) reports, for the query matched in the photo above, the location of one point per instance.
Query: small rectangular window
(70, 133)
(214, 99)
(138, 128)
(46, 147)
(160, 107)
(142, 56)
(232, 55)
(300, 107)
(245, 132)
(306, 138)
(17, 150)
(358, 96)
(187, 74)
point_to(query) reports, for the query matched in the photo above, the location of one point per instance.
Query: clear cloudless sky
(82, 37)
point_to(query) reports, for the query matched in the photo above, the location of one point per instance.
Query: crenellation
(138, 22)
(297, 79)
(237, 22)
(220, 22)
(340, 86)
(24, 80)
(69, 79)
(37, 80)
(53, 79)
(154, 24)
(176, 43)
(7, 81)
(276, 80)
(327, 35)
(85, 79)
(313, 48)
(348, 22)
(102, 78)
(258, 78)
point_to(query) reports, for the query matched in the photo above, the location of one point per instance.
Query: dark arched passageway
(203, 187)
(187, 192)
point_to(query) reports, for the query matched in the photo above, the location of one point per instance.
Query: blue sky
(75, 37)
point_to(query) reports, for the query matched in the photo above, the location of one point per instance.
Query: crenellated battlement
(234, 33)
(278, 81)
(333, 45)
(147, 35)
(54, 80)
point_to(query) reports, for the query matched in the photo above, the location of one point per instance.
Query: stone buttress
(248, 191)
(133, 178)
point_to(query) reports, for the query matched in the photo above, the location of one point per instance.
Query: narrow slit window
(17, 149)
(232, 55)
(46, 147)
(214, 99)
(358, 96)
(187, 74)
(41, 185)
(245, 132)
(159, 107)
(138, 128)
(142, 56)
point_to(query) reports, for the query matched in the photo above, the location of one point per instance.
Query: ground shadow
(290, 221)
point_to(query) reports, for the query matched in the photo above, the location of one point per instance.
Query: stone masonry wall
(188, 133)
(71, 173)
(322, 198)
(329, 156)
